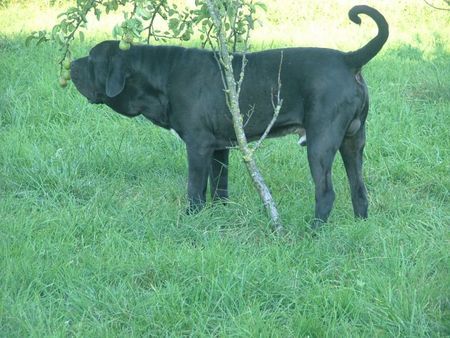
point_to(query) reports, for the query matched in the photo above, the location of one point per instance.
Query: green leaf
(144, 13)
(173, 24)
(28, 40)
(117, 31)
(41, 39)
(81, 34)
(98, 13)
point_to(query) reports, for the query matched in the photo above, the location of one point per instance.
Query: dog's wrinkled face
(101, 75)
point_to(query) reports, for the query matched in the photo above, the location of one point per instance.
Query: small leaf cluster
(238, 18)
(152, 19)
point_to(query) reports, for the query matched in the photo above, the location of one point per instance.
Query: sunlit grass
(285, 23)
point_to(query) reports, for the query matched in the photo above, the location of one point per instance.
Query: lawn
(94, 240)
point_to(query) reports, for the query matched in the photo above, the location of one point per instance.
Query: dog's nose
(73, 64)
(74, 69)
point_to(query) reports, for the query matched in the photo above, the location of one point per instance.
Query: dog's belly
(289, 121)
(278, 132)
(224, 141)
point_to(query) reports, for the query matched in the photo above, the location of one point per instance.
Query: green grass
(94, 240)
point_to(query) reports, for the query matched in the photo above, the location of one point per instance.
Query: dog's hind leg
(321, 151)
(218, 175)
(325, 131)
(352, 154)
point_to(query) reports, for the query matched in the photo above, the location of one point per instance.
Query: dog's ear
(115, 79)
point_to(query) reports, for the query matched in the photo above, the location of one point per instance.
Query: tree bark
(232, 89)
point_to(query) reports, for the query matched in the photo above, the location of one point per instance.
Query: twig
(158, 36)
(208, 37)
(249, 114)
(276, 109)
(150, 26)
(246, 151)
(233, 30)
(133, 12)
(438, 8)
(70, 37)
(224, 82)
(241, 74)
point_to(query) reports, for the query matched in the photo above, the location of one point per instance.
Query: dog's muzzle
(82, 81)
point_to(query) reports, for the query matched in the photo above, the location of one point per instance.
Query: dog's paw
(316, 224)
(193, 209)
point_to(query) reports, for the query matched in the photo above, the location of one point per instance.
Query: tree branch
(438, 8)
(276, 109)
(70, 37)
(231, 90)
(150, 26)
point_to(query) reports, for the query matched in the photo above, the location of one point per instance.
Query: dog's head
(118, 79)
(101, 75)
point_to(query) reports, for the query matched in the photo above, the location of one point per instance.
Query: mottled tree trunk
(232, 90)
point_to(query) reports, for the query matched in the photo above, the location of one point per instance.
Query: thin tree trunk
(232, 91)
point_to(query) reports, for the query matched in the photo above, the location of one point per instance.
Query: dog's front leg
(199, 161)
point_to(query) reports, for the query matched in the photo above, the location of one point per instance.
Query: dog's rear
(346, 133)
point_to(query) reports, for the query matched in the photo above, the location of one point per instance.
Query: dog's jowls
(323, 92)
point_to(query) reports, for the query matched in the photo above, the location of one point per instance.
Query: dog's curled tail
(360, 57)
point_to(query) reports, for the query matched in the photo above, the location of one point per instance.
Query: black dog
(177, 88)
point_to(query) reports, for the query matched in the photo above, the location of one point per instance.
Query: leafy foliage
(155, 19)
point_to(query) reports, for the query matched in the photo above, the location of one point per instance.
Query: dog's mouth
(86, 90)
(96, 99)
(82, 81)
